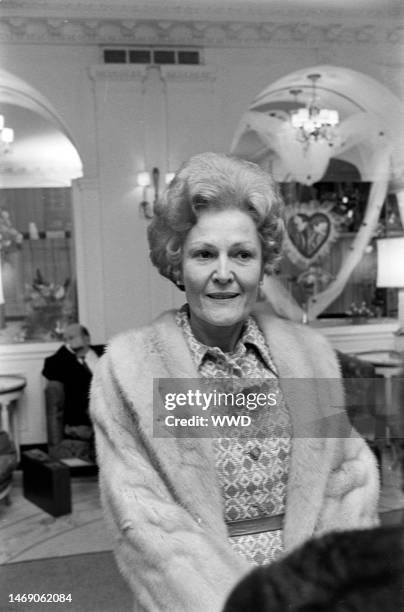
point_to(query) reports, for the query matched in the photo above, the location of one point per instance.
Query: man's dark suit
(64, 367)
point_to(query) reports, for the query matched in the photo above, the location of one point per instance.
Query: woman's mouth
(223, 295)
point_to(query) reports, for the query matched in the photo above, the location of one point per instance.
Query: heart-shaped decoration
(311, 228)
(309, 233)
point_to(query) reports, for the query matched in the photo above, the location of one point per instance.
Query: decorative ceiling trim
(193, 33)
(210, 10)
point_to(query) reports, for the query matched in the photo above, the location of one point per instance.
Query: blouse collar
(251, 335)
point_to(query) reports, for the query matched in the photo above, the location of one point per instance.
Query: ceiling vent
(143, 55)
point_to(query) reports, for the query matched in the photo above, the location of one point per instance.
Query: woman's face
(222, 267)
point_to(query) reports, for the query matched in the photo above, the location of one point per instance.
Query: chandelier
(313, 123)
(6, 136)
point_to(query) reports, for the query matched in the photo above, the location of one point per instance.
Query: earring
(261, 295)
(180, 284)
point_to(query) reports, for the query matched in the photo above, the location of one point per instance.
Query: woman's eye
(203, 254)
(244, 255)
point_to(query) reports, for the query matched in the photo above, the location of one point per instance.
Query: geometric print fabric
(252, 472)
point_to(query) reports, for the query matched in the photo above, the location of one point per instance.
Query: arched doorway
(371, 143)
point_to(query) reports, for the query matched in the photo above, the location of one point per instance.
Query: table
(11, 388)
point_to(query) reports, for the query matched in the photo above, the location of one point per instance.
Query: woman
(215, 233)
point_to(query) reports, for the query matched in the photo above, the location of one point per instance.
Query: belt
(255, 525)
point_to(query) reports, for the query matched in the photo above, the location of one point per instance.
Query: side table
(11, 388)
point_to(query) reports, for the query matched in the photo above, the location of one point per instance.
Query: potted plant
(359, 313)
(50, 307)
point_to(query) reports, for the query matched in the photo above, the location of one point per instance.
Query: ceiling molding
(86, 31)
(211, 10)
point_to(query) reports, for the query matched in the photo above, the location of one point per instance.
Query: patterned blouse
(252, 472)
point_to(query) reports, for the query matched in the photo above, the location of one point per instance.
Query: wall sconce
(6, 136)
(146, 181)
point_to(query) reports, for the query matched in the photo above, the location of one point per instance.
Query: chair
(8, 463)
(65, 442)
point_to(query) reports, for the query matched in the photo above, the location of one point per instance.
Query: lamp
(390, 270)
(313, 123)
(6, 136)
(146, 181)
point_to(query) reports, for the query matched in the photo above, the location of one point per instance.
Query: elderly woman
(192, 515)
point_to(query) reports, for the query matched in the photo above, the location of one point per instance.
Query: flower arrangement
(49, 308)
(42, 293)
(10, 238)
(360, 312)
(314, 279)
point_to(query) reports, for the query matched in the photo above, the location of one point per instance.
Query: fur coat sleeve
(161, 496)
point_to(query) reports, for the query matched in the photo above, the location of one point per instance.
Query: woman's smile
(223, 295)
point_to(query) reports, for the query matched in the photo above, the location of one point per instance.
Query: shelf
(376, 334)
(389, 234)
(49, 235)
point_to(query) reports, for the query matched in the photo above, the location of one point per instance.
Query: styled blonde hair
(214, 181)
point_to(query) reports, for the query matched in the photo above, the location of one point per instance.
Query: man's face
(76, 340)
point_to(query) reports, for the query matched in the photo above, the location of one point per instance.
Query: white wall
(124, 119)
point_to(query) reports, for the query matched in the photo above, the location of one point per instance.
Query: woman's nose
(223, 272)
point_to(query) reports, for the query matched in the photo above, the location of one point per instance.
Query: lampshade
(7, 135)
(390, 262)
(390, 271)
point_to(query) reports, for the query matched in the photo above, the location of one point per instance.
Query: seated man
(69, 374)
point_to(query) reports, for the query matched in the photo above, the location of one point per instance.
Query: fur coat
(161, 495)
